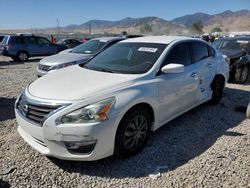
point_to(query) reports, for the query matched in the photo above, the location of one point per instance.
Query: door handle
(194, 74)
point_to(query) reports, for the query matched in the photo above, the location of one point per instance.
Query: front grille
(34, 112)
(44, 67)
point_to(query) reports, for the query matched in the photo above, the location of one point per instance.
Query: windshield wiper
(105, 70)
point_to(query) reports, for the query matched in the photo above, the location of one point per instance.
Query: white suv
(109, 105)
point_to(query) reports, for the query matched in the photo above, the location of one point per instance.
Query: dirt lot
(206, 147)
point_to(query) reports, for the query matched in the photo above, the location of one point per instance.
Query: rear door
(203, 61)
(45, 46)
(31, 45)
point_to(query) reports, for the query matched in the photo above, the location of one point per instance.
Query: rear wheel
(133, 132)
(22, 56)
(241, 74)
(217, 87)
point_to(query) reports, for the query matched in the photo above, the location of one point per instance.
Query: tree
(124, 33)
(197, 27)
(216, 29)
(145, 28)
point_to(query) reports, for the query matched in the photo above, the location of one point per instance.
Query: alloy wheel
(135, 133)
(23, 56)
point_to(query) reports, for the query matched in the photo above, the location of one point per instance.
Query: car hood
(65, 57)
(232, 53)
(75, 82)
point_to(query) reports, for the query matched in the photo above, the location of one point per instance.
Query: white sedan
(111, 104)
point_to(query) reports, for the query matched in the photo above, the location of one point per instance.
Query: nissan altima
(111, 104)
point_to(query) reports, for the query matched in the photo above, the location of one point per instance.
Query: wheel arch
(142, 104)
(219, 75)
(23, 51)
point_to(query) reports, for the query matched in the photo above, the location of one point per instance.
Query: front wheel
(217, 87)
(132, 132)
(241, 74)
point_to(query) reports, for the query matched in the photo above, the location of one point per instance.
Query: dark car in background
(21, 47)
(1, 38)
(237, 50)
(70, 43)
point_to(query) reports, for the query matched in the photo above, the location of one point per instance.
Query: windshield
(127, 58)
(232, 44)
(90, 47)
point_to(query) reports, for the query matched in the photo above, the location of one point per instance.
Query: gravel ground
(206, 147)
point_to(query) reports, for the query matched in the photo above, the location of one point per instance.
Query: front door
(46, 47)
(177, 91)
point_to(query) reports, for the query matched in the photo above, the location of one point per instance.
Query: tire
(217, 87)
(241, 74)
(22, 56)
(132, 133)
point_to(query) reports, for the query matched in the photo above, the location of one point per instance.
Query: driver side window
(43, 41)
(180, 54)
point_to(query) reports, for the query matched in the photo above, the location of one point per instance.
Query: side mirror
(173, 68)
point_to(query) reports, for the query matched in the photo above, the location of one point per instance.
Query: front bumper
(3, 52)
(41, 72)
(52, 140)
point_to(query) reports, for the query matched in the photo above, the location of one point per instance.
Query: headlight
(63, 65)
(91, 113)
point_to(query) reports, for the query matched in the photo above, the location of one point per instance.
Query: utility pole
(57, 29)
(31, 30)
(89, 30)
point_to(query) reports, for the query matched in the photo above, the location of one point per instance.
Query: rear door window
(200, 51)
(29, 40)
(211, 51)
(17, 40)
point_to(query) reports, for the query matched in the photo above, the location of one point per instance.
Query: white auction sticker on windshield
(242, 41)
(145, 49)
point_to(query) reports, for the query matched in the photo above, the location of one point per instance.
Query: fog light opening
(80, 147)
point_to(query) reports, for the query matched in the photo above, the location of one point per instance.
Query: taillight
(9, 46)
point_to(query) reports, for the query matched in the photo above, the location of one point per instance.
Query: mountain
(227, 21)
(153, 25)
(189, 19)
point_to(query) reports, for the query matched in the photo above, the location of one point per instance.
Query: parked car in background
(1, 38)
(70, 43)
(237, 50)
(77, 55)
(111, 104)
(21, 47)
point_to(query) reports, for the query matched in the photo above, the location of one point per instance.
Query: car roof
(236, 38)
(156, 39)
(108, 38)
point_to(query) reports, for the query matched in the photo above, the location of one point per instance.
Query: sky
(27, 14)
